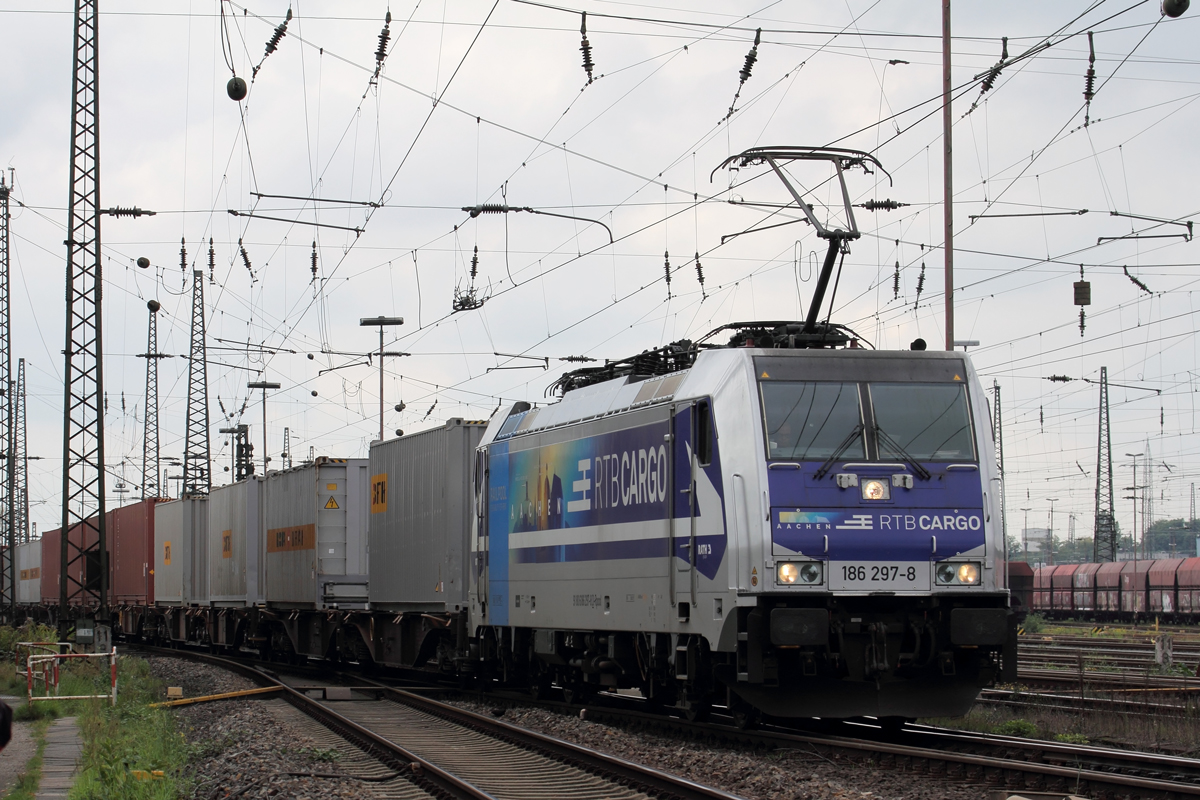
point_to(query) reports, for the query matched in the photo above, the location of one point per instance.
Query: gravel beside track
(251, 748)
(755, 775)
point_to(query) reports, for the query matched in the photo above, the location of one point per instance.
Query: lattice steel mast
(8, 568)
(1105, 541)
(197, 473)
(151, 461)
(22, 457)
(287, 448)
(83, 374)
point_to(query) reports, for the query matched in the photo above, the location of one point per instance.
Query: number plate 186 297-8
(879, 576)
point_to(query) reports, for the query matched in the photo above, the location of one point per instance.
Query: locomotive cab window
(704, 433)
(923, 421)
(807, 420)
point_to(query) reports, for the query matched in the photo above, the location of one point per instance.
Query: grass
(116, 739)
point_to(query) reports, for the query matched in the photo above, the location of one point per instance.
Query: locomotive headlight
(787, 573)
(875, 490)
(946, 573)
(810, 573)
(958, 573)
(968, 573)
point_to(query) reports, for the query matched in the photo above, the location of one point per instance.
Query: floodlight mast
(382, 322)
(841, 159)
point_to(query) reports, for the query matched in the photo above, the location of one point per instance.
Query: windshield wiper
(883, 437)
(843, 447)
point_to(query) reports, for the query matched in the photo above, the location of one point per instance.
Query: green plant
(1017, 727)
(1071, 738)
(1034, 623)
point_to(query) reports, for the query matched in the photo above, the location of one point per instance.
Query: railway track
(447, 752)
(425, 730)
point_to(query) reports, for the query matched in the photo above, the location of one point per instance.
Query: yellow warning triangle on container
(332, 504)
(765, 375)
(754, 570)
(957, 378)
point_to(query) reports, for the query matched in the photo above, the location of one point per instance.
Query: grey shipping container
(316, 534)
(29, 573)
(235, 544)
(421, 518)
(180, 565)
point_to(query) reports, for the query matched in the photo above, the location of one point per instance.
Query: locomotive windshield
(808, 420)
(923, 421)
(819, 420)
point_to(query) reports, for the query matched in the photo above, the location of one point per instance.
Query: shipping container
(316, 534)
(180, 578)
(1133, 587)
(1162, 585)
(1084, 587)
(79, 566)
(1062, 596)
(1188, 578)
(421, 501)
(29, 573)
(235, 544)
(130, 533)
(1108, 585)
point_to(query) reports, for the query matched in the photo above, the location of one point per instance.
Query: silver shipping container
(316, 534)
(421, 518)
(29, 573)
(180, 562)
(235, 544)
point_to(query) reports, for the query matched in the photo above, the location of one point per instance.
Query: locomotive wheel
(695, 710)
(745, 716)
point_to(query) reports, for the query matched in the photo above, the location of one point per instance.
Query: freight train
(744, 521)
(1166, 588)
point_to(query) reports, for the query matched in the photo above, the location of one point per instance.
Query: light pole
(1050, 535)
(1025, 534)
(382, 322)
(1134, 498)
(264, 385)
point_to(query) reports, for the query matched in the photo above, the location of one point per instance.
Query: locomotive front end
(876, 555)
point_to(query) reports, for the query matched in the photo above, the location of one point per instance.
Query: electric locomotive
(780, 528)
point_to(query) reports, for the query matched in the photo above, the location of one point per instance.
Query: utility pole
(1134, 497)
(83, 374)
(264, 385)
(151, 460)
(948, 174)
(371, 322)
(8, 561)
(998, 435)
(22, 459)
(1104, 542)
(1050, 536)
(1025, 534)
(197, 465)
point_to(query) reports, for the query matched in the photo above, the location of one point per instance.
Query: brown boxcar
(1042, 588)
(1162, 585)
(1108, 586)
(1020, 585)
(1084, 586)
(1062, 595)
(1188, 579)
(51, 559)
(1133, 587)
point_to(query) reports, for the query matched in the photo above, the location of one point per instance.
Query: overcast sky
(516, 121)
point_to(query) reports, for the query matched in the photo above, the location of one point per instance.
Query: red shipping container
(1162, 585)
(1108, 585)
(1133, 587)
(1188, 576)
(131, 542)
(52, 557)
(1061, 587)
(1084, 586)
